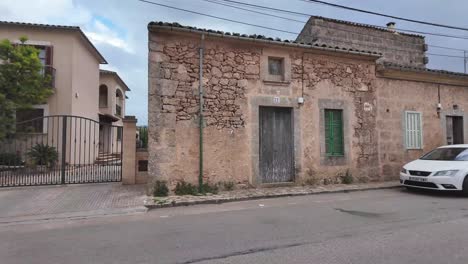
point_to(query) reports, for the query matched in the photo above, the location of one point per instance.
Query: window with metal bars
(334, 146)
(413, 130)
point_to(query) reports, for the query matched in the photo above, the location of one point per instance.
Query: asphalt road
(384, 226)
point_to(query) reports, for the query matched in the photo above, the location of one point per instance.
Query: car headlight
(404, 171)
(446, 173)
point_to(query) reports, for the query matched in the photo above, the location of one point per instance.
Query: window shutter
(49, 54)
(334, 133)
(413, 130)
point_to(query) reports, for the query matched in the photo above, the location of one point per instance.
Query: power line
(389, 16)
(222, 18)
(298, 21)
(257, 12)
(442, 47)
(445, 55)
(269, 28)
(309, 15)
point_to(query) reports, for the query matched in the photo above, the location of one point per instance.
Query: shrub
(348, 178)
(228, 186)
(43, 155)
(208, 188)
(184, 188)
(10, 159)
(160, 189)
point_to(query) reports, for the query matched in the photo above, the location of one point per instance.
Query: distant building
(80, 88)
(396, 47)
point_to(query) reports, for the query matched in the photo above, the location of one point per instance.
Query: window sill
(334, 156)
(277, 83)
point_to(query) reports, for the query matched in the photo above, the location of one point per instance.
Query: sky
(118, 28)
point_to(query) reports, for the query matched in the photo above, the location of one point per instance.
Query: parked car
(444, 168)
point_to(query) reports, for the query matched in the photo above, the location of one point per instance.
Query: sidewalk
(27, 204)
(262, 193)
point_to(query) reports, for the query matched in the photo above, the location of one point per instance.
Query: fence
(61, 150)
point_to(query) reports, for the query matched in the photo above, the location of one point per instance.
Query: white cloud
(44, 11)
(99, 33)
(63, 12)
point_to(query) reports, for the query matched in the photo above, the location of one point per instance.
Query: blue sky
(118, 28)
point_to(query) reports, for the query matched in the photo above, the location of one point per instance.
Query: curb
(227, 200)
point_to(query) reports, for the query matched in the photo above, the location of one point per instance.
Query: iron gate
(61, 150)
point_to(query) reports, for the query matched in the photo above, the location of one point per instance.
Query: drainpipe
(200, 119)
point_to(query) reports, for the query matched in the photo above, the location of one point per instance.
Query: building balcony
(118, 110)
(48, 70)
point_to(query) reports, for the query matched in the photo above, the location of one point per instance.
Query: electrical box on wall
(300, 100)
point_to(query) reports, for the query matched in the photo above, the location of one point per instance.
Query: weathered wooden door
(276, 145)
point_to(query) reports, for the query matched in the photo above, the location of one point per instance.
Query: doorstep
(262, 193)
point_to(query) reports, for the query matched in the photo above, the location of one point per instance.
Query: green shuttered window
(334, 132)
(413, 130)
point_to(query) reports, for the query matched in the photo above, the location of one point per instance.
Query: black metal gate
(61, 150)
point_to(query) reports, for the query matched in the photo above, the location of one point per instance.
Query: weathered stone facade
(226, 75)
(237, 83)
(397, 47)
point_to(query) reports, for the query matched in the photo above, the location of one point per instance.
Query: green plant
(44, 155)
(160, 189)
(229, 185)
(348, 178)
(23, 82)
(209, 188)
(185, 188)
(10, 159)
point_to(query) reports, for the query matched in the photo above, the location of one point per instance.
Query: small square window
(275, 66)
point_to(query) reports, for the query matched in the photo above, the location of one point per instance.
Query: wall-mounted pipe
(200, 119)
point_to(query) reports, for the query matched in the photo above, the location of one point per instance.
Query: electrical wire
(309, 15)
(269, 28)
(384, 15)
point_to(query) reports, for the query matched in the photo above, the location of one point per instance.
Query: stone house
(289, 112)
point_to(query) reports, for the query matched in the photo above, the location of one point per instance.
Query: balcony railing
(48, 70)
(118, 110)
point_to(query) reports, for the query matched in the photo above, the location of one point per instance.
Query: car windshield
(454, 154)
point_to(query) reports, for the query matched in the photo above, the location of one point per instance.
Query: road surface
(382, 226)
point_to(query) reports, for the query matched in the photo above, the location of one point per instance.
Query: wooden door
(457, 123)
(276, 145)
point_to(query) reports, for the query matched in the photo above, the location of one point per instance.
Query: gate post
(64, 150)
(129, 150)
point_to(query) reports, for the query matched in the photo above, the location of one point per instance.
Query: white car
(444, 168)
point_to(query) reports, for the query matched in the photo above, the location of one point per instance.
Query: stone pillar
(129, 150)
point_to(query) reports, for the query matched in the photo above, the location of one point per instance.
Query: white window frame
(414, 137)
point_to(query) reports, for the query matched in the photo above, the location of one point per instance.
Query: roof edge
(258, 38)
(357, 24)
(101, 58)
(115, 74)
(396, 71)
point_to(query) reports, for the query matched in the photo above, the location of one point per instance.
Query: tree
(22, 82)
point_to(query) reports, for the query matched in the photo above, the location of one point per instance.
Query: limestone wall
(397, 48)
(236, 85)
(397, 96)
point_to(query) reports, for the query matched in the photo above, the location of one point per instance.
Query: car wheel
(465, 186)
